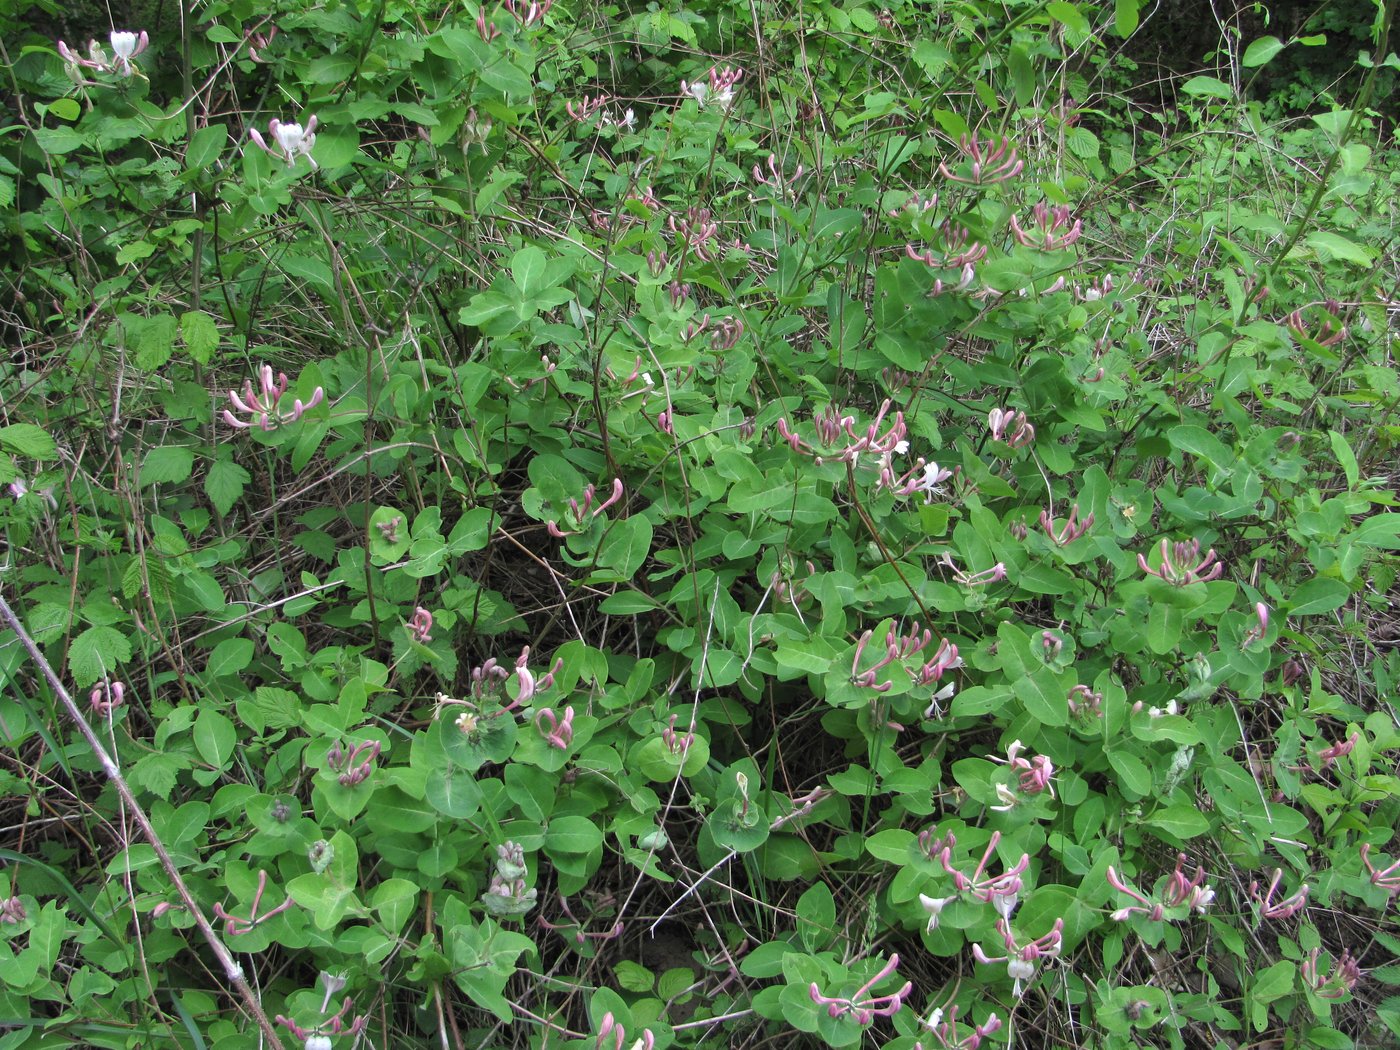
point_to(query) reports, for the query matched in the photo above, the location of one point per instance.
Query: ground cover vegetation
(640, 525)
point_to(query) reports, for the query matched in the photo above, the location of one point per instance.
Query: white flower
(695, 91)
(292, 141)
(1019, 970)
(124, 44)
(318, 1042)
(901, 447)
(932, 711)
(1008, 798)
(627, 121)
(725, 98)
(934, 906)
(1202, 898)
(932, 481)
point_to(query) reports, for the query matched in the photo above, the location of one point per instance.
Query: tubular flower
(1002, 891)
(862, 1006)
(1344, 976)
(1260, 628)
(990, 161)
(945, 1029)
(1284, 909)
(1177, 891)
(106, 698)
(1182, 564)
(1329, 755)
(580, 514)
(292, 141)
(263, 408)
(125, 46)
(1387, 879)
(1011, 427)
(719, 90)
(1050, 228)
(234, 925)
(1021, 959)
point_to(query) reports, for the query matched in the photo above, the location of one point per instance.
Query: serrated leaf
(200, 335)
(26, 439)
(279, 708)
(166, 465)
(156, 772)
(7, 191)
(224, 484)
(96, 653)
(150, 339)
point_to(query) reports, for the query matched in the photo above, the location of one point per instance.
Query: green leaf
(96, 653)
(1181, 822)
(214, 737)
(574, 834)
(1335, 246)
(1125, 16)
(229, 657)
(224, 484)
(626, 546)
(135, 251)
(58, 141)
(166, 465)
(26, 439)
(1319, 595)
(1018, 63)
(816, 917)
(1208, 87)
(150, 339)
(1274, 982)
(205, 147)
(1261, 51)
(200, 335)
(633, 977)
(527, 270)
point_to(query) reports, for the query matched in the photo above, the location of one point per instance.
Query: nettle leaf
(96, 654)
(224, 483)
(26, 439)
(166, 465)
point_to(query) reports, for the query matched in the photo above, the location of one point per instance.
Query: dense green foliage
(734, 523)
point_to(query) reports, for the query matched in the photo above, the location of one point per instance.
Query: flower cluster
(292, 141)
(945, 1029)
(1072, 529)
(989, 161)
(557, 733)
(611, 1031)
(1282, 909)
(125, 47)
(419, 626)
(1011, 427)
(719, 90)
(582, 513)
(1033, 775)
(106, 698)
(861, 1006)
(318, 1036)
(1182, 564)
(1050, 228)
(1021, 959)
(1001, 891)
(236, 925)
(263, 406)
(1176, 891)
(574, 926)
(1387, 879)
(899, 648)
(355, 767)
(1346, 973)
(508, 894)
